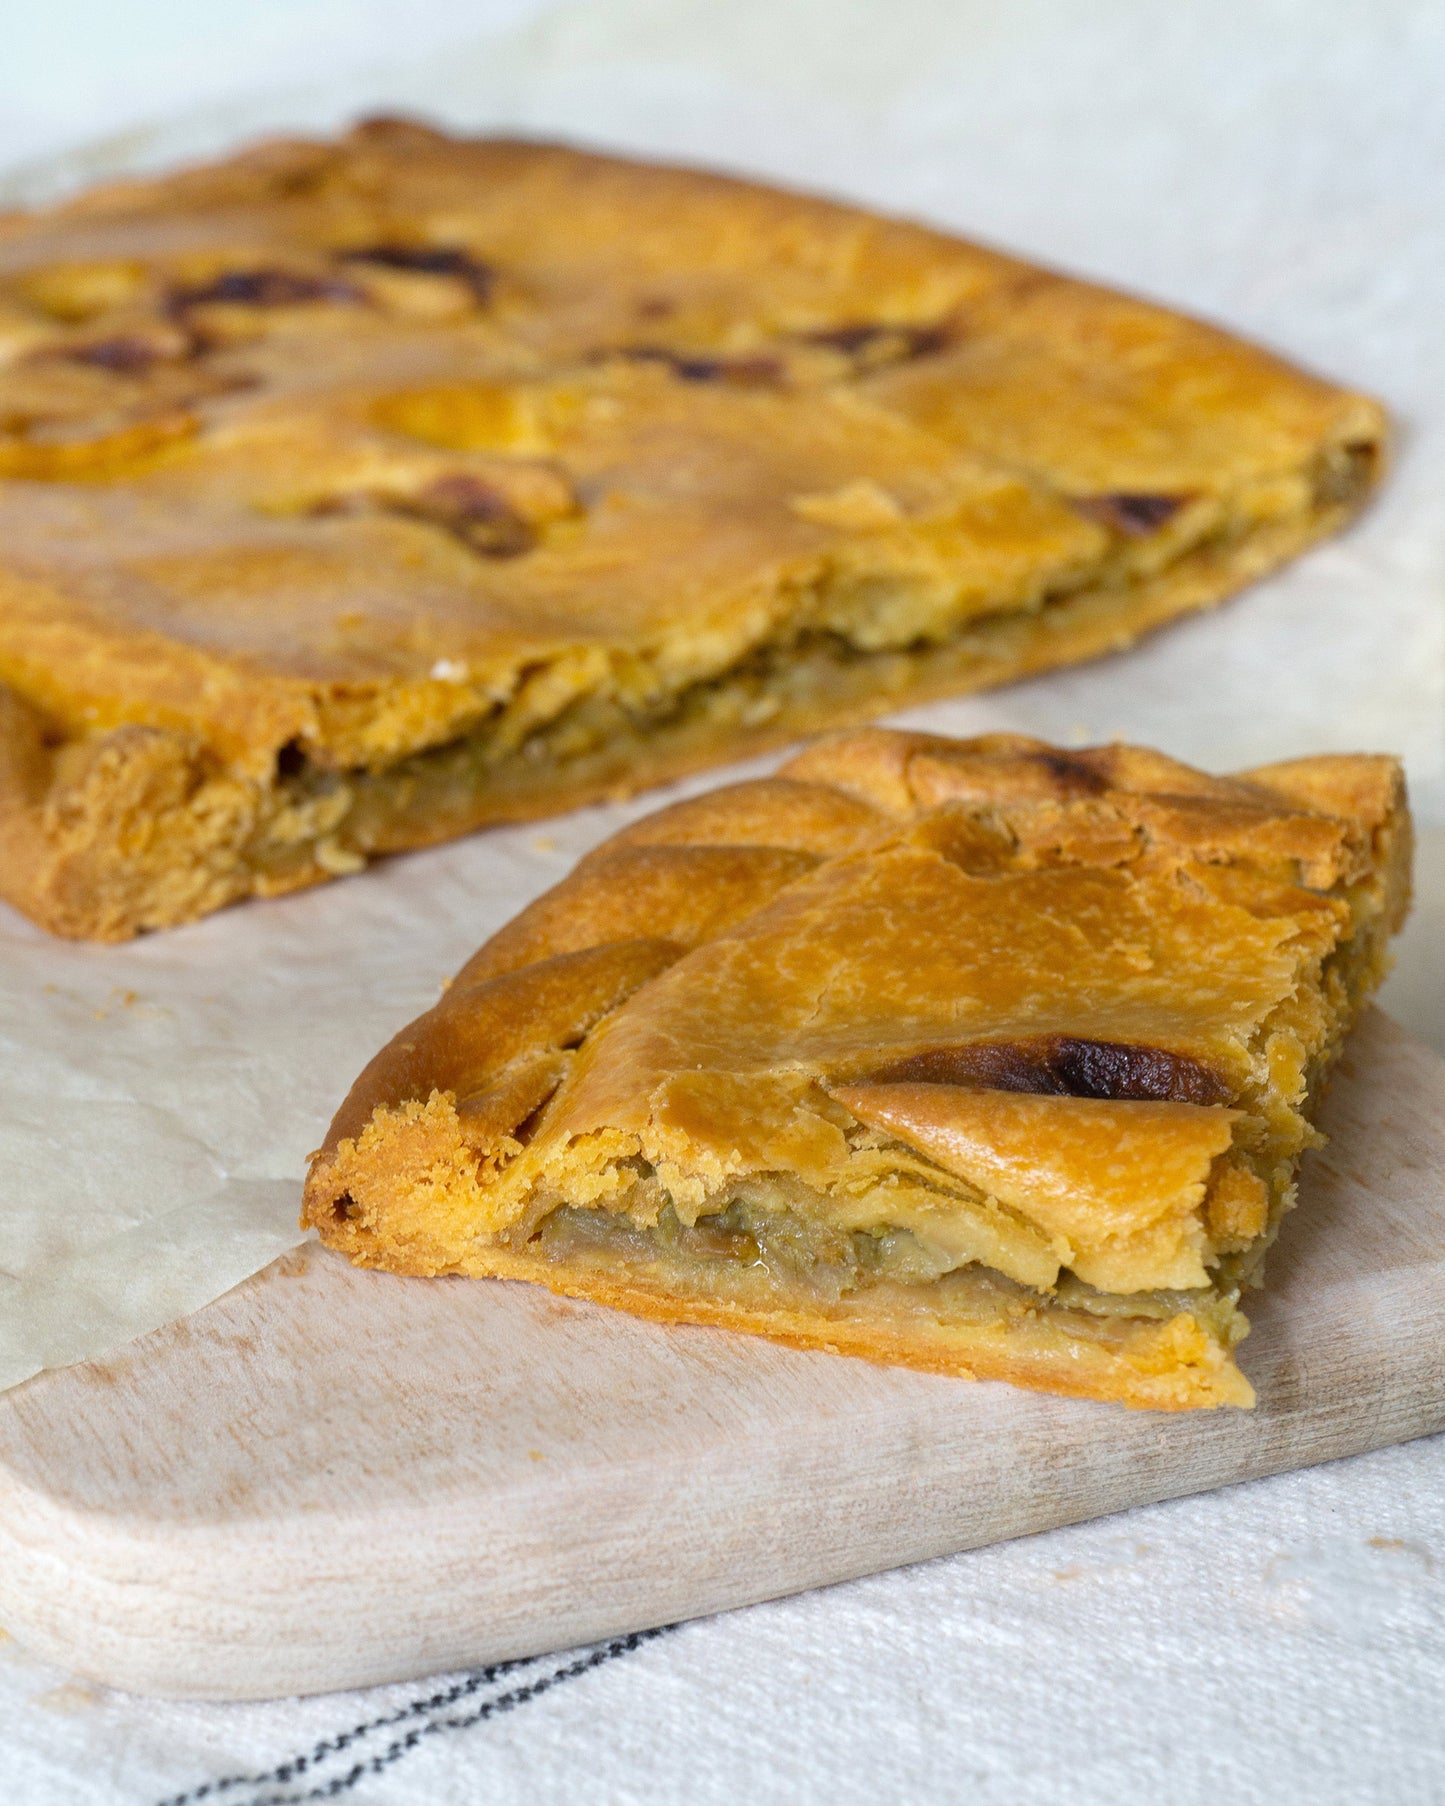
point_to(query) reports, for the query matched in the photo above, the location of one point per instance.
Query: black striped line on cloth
(427, 1710)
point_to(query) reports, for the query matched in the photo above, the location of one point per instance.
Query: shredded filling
(770, 1237)
(596, 728)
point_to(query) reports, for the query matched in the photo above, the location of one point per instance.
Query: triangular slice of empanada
(978, 1056)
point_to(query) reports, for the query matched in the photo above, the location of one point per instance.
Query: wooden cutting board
(329, 1478)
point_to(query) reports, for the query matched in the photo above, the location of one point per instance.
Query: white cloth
(1272, 163)
(1277, 1642)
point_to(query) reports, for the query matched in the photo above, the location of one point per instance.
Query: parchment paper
(158, 1099)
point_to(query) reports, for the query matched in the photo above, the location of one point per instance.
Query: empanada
(973, 1055)
(354, 495)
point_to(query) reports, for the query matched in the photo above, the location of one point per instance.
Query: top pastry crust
(977, 1055)
(353, 494)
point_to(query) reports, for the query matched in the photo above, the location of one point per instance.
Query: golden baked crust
(353, 495)
(974, 1055)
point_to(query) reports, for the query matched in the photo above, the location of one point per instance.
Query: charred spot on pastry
(1065, 1066)
(263, 288)
(475, 512)
(739, 372)
(460, 503)
(291, 760)
(1071, 774)
(430, 260)
(125, 354)
(1130, 512)
(1113, 1069)
(745, 372)
(876, 342)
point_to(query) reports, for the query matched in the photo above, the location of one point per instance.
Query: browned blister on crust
(980, 1056)
(355, 495)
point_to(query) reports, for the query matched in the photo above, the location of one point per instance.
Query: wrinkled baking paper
(159, 1099)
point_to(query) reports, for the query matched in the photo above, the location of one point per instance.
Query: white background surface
(1272, 163)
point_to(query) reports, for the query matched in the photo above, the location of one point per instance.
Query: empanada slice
(354, 495)
(973, 1055)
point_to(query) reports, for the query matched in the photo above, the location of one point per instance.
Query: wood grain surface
(330, 1478)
